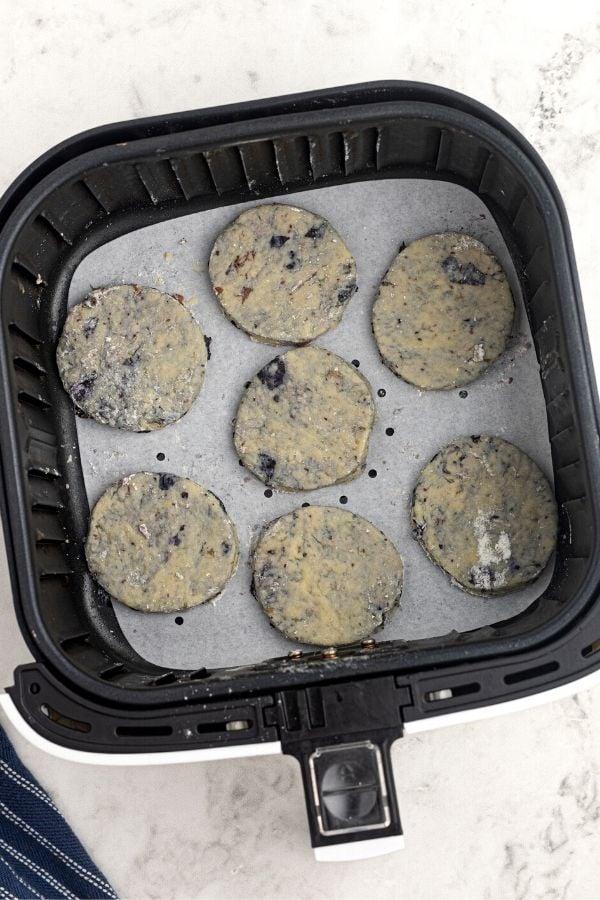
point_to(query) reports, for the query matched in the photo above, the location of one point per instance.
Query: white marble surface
(507, 808)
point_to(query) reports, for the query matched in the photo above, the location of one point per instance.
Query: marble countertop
(504, 808)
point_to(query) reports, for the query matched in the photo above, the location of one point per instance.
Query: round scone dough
(282, 274)
(326, 576)
(160, 543)
(443, 313)
(132, 357)
(486, 514)
(305, 420)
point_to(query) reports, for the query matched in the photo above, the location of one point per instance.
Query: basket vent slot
(16, 329)
(66, 721)
(193, 175)
(260, 166)
(293, 160)
(47, 472)
(55, 230)
(169, 678)
(326, 155)
(112, 672)
(222, 726)
(33, 400)
(226, 169)
(22, 271)
(443, 151)
(93, 196)
(29, 365)
(76, 640)
(160, 181)
(591, 649)
(198, 675)
(533, 672)
(458, 690)
(360, 151)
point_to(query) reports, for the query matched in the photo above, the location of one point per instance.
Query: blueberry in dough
(161, 543)
(485, 513)
(282, 274)
(132, 357)
(304, 421)
(326, 576)
(443, 313)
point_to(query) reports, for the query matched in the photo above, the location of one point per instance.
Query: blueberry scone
(485, 513)
(443, 313)
(281, 274)
(326, 576)
(305, 420)
(160, 543)
(132, 357)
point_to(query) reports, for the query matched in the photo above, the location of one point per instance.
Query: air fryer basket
(88, 688)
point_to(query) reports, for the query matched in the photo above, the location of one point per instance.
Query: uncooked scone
(326, 576)
(282, 274)
(305, 420)
(160, 543)
(132, 357)
(444, 311)
(486, 514)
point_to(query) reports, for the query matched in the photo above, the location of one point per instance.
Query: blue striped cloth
(39, 854)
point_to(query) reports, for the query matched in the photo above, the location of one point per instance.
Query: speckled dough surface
(159, 543)
(486, 514)
(444, 311)
(305, 420)
(326, 576)
(282, 274)
(132, 357)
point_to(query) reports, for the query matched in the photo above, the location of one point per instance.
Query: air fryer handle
(350, 798)
(341, 734)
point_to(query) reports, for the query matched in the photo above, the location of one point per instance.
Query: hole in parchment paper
(463, 394)
(305, 505)
(160, 456)
(372, 473)
(356, 362)
(268, 492)
(389, 431)
(381, 392)
(179, 620)
(343, 499)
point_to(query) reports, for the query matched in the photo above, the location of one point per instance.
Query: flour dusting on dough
(131, 357)
(491, 550)
(486, 514)
(479, 352)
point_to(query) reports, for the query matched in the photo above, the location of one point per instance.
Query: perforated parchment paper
(374, 218)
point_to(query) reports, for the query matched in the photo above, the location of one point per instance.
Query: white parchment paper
(374, 218)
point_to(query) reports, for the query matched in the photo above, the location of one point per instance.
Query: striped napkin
(39, 854)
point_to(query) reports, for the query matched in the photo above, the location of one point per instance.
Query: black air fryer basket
(338, 713)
